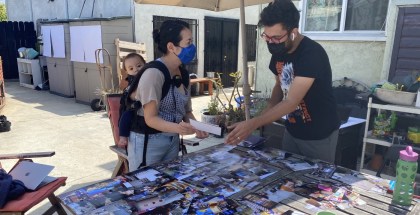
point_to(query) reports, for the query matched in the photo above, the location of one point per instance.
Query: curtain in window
(323, 15)
(366, 14)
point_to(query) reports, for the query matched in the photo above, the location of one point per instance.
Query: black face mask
(277, 48)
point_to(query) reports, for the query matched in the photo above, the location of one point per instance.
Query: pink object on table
(408, 154)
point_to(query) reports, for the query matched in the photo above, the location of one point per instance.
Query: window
(363, 17)
(157, 22)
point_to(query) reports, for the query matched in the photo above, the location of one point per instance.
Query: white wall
(144, 25)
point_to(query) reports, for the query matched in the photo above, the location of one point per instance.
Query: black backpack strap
(167, 84)
(185, 76)
(146, 141)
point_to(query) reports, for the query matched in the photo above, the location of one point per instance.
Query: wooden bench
(202, 82)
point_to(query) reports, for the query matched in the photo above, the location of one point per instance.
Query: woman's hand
(185, 128)
(201, 134)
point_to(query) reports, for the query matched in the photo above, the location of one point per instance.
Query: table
(202, 82)
(235, 180)
(348, 143)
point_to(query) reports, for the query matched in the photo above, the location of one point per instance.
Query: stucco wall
(20, 10)
(361, 61)
(144, 25)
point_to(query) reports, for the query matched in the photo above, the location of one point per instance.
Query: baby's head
(132, 63)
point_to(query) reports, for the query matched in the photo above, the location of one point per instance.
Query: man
(303, 88)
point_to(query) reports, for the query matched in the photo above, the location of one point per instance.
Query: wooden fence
(14, 35)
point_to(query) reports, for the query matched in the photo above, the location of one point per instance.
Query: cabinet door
(52, 78)
(81, 84)
(94, 78)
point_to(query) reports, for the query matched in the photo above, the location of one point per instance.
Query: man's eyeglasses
(273, 39)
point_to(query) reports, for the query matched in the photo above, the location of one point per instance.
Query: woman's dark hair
(170, 31)
(280, 11)
(132, 55)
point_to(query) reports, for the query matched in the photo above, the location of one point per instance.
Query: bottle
(406, 173)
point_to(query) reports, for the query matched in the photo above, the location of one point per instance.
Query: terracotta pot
(376, 162)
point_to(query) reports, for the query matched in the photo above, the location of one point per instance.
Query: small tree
(3, 14)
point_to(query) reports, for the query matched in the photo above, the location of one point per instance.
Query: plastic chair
(393, 153)
(30, 199)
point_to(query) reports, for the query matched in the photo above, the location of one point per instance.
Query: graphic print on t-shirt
(286, 76)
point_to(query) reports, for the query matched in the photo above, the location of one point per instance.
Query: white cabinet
(29, 73)
(368, 138)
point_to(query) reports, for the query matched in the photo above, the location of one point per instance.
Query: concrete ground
(80, 137)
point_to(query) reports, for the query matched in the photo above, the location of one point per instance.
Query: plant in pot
(213, 113)
(228, 114)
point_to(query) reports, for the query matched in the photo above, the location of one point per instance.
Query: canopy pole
(246, 89)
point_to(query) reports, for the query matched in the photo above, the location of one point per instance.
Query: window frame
(350, 35)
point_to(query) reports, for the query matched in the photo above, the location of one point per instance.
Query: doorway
(221, 47)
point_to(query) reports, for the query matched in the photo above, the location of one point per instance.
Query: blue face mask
(187, 54)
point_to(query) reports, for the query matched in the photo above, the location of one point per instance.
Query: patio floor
(80, 137)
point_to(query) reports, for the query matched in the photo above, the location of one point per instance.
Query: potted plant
(212, 114)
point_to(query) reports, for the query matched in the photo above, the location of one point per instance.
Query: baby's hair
(132, 55)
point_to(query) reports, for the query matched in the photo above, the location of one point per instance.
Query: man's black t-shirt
(316, 116)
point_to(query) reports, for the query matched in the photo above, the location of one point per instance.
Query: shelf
(399, 108)
(368, 137)
(27, 85)
(29, 72)
(377, 141)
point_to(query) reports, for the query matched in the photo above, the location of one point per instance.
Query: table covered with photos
(236, 180)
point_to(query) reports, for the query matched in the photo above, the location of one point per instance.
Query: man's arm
(297, 92)
(276, 96)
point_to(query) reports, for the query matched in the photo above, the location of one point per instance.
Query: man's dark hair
(170, 31)
(280, 11)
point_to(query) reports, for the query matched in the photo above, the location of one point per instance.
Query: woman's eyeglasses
(273, 39)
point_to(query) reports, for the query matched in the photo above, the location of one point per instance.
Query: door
(221, 47)
(406, 51)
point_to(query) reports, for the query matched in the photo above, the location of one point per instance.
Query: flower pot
(210, 119)
(210, 74)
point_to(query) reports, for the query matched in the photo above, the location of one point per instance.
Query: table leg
(210, 84)
(201, 91)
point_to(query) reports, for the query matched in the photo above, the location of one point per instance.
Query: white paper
(213, 129)
(46, 40)
(57, 41)
(352, 121)
(76, 44)
(92, 41)
(84, 41)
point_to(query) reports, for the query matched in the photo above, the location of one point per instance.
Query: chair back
(113, 104)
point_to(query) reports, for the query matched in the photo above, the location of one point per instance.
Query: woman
(169, 115)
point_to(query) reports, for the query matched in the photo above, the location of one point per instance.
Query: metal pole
(246, 89)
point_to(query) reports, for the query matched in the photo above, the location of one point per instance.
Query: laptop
(32, 174)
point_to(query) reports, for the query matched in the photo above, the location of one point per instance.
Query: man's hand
(123, 142)
(185, 128)
(201, 134)
(241, 131)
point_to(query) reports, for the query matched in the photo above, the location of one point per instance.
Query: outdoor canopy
(220, 5)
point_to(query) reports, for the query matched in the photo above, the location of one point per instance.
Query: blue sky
(1, 1)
